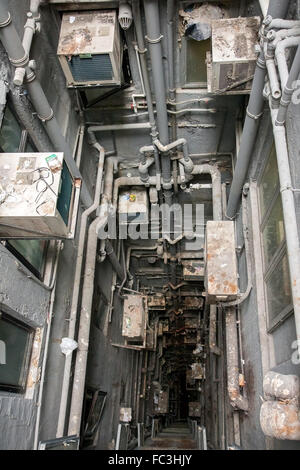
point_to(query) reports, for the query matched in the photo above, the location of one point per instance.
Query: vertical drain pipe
(277, 9)
(86, 304)
(236, 399)
(76, 288)
(154, 37)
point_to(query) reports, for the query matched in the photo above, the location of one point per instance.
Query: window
(13, 138)
(16, 344)
(276, 269)
(194, 72)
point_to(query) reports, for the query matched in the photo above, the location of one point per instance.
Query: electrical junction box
(193, 270)
(125, 415)
(89, 48)
(134, 318)
(38, 196)
(161, 400)
(221, 275)
(133, 207)
(194, 409)
(232, 62)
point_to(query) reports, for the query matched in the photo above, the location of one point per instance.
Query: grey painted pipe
(254, 111)
(237, 400)
(278, 23)
(170, 39)
(281, 57)
(152, 16)
(120, 127)
(84, 332)
(113, 259)
(136, 11)
(86, 304)
(288, 90)
(76, 290)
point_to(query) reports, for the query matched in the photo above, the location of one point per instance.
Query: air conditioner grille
(95, 68)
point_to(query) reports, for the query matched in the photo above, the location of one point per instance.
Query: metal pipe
(76, 289)
(237, 400)
(114, 261)
(281, 57)
(45, 354)
(120, 127)
(170, 39)
(279, 23)
(254, 112)
(264, 5)
(19, 58)
(154, 38)
(84, 332)
(288, 90)
(136, 11)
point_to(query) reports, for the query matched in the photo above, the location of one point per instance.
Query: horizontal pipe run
(120, 127)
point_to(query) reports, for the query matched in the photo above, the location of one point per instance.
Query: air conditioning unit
(38, 196)
(89, 48)
(231, 64)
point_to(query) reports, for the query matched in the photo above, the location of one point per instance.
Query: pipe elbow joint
(188, 164)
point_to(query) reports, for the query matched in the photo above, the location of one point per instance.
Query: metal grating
(91, 69)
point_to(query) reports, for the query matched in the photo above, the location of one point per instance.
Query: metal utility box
(232, 62)
(39, 198)
(193, 270)
(134, 318)
(162, 402)
(156, 302)
(89, 48)
(133, 207)
(198, 372)
(125, 415)
(221, 275)
(194, 409)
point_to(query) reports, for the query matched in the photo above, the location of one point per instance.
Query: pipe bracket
(48, 118)
(253, 116)
(154, 41)
(19, 62)
(6, 22)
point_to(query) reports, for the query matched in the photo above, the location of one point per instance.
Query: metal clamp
(154, 41)
(19, 62)
(45, 119)
(6, 22)
(253, 116)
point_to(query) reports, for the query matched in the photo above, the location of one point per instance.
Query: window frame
(24, 141)
(281, 251)
(6, 315)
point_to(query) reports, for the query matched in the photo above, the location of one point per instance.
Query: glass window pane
(10, 134)
(278, 289)
(273, 233)
(15, 341)
(196, 71)
(269, 182)
(32, 251)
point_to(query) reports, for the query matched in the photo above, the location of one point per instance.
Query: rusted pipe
(280, 420)
(232, 354)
